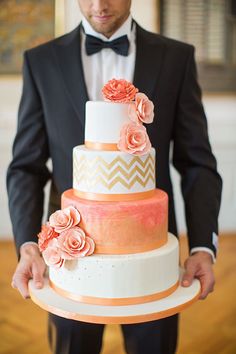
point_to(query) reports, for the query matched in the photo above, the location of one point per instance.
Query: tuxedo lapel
(149, 57)
(68, 55)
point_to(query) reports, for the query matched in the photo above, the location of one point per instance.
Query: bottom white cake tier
(120, 279)
(178, 301)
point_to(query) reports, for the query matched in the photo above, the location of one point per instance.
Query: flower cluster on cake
(62, 239)
(133, 136)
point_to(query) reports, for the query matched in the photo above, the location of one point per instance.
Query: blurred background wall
(211, 26)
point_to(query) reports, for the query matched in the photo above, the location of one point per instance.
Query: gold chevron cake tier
(108, 173)
(122, 227)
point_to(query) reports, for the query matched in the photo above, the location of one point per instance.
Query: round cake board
(52, 302)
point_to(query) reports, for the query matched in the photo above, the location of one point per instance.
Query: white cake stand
(52, 302)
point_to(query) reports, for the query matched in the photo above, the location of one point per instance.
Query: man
(59, 77)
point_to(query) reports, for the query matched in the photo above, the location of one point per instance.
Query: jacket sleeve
(192, 157)
(27, 173)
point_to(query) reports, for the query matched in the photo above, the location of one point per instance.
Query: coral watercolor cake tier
(109, 244)
(123, 227)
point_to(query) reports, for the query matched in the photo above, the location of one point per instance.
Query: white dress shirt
(106, 65)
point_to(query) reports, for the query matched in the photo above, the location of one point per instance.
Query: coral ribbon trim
(112, 319)
(114, 197)
(101, 146)
(104, 249)
(114, 301)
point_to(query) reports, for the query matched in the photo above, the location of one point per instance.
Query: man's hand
(30, 266)
(199, 265)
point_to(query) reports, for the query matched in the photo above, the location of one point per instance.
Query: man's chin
(104, 27)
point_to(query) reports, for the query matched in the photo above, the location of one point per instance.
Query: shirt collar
(125, 29)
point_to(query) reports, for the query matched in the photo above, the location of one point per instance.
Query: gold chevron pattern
(82, 170)
(118, 159)
(98, 171)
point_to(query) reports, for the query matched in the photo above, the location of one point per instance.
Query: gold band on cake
(114, 301)
(114, 197)
(101, 146)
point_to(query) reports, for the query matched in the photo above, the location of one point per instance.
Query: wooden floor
(208, 327)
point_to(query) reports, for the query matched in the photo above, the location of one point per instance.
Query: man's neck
(124, 29)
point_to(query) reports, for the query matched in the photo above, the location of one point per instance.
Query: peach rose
(47, 233)
(64, 219)
(52, 255)
(119, 91)
(134, 139)
(89, 246)
(142, 110)
(74, 244)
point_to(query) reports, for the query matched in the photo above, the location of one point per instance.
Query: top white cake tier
(104, 121)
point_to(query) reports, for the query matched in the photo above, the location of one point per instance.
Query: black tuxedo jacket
(52, 118)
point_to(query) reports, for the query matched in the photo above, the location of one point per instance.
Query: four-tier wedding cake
(109, 244)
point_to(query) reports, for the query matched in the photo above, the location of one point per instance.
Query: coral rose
(52, 255)
(64, 219)
(47, 233)
(119, 91)
(134, 139)
(74, 244)
(142, 110)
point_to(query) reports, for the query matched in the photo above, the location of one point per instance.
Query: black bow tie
(119, 45)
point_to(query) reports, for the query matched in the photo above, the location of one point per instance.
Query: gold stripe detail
(90, 172)
(118, 159)
(94, 181)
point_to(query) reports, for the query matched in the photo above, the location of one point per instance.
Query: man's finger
(207, 285)
(189, 274)
(37, 272)
(20, 282)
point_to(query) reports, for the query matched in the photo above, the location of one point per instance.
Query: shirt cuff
(205, 249)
